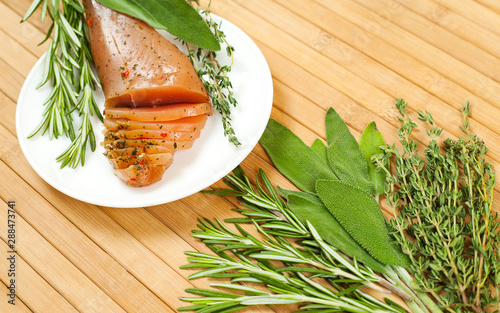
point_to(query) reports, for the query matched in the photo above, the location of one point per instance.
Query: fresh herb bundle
(334, 209)
(68, 69)
(443, 216)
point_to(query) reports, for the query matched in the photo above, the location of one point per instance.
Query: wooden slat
(465, 29)
(475, 12)
(491, 4)
(19, 306)
(390, 56)
(30, 287)
(437, 36)
(463, 75)
(20, 59)
(10, 81)
(25, 33)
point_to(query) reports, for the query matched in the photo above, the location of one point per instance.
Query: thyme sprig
(214, 75)
(68, 69)
(444, 203)
(305, 257)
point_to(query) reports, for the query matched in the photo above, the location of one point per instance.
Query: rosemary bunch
(288, 284)
(214, 75)
(308, 259)
(68, 69)
(443, 216)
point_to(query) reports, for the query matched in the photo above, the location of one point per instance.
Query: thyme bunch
(214, 75)
(68, 69)
(443, 216)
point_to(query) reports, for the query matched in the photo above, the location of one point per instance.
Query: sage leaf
(344, 154)
(360, 215)
(177, 17)
(370, 143)
(293, 158)
(320, 148)
(308, 207)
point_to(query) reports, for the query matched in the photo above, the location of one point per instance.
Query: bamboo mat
(357, 56)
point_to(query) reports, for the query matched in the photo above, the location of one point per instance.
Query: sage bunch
(444, 220)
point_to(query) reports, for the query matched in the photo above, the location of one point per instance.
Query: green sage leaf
(344, 154)
(370, 143)
(177, 17)
(320, 148)
(360, 215)
(293, 158)
(310, 208)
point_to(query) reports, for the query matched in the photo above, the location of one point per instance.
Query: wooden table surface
(357, 56)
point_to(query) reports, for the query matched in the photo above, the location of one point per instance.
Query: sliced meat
(140, 143)
(159, 114)
(151, 134)
(155, 103)
(141, 175)
(114, 153)
(142, 159)
(186, 124)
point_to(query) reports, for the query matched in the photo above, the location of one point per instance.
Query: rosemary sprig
(214, 75)
(68, 70)
(454, 259)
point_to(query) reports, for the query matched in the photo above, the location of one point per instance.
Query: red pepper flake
(90, 21)
(132, 156)
(133, 179)
(125, 74)
(163, 135)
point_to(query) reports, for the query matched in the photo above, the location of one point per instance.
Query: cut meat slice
(159, 114)
(187, 124)
(140, 143)
(114, 153)
(136, 65)
(141, 175)
(151, 134)
(142, 159)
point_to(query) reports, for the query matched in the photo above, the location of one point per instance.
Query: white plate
(210, 158)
